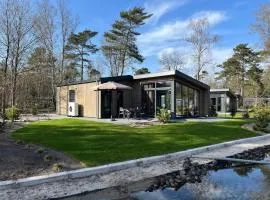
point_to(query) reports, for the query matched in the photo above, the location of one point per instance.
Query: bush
(34, 110)
(40, 150)
(212, 112)
(163, 115)
(245, 115)
(47, 158)
(262, 117)
(12, 113)
(233, 112)
(57, 167)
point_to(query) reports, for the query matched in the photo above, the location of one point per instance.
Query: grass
(238, 115)
(95, 143)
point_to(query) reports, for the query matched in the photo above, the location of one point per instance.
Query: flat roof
(220, 90)
(78, 82)
(175, 73)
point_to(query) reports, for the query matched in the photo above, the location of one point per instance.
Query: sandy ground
(19, 160)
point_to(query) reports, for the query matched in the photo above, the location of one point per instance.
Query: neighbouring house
(223, 100)
(181, 94)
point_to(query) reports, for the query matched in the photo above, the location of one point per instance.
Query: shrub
(212, 112)
(262, 117)
(40, 150)
(245, 115)
(47, 158)
(163, 115)
(233, 112)
(34, 110)
(57, 167)
(12, 113)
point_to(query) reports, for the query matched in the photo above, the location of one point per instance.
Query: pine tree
(79, 48)
(244, 64)
(120, 47)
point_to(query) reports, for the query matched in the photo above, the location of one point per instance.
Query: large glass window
(191, 102)
(163, 84)
(156, 97)
(219, 104)
(163, 99)
(196, 102)
(179, 100)
(148, 102)
(149, 86)
(185, 100)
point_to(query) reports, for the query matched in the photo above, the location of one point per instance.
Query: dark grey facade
(182, 95)
(223, 100)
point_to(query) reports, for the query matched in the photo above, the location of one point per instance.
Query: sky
(165, 30)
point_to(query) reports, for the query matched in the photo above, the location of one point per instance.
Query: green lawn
(96, 143)
(238, 115)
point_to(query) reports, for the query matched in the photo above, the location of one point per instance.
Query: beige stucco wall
(85, 96)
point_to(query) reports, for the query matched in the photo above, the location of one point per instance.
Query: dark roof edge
(116, 78)
(191, 79)
(77, 83)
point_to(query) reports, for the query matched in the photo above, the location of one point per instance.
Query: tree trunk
(82, 63)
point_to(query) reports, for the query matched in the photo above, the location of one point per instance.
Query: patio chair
(127, 113)
(121, 112)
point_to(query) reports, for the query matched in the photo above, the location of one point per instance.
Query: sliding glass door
(156, 96)
(187, 100)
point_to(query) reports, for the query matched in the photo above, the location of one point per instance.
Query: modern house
(181, 94)
(223, 100)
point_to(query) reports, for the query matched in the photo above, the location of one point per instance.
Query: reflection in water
(237, 183)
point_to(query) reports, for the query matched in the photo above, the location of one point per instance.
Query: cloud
(221, 54)
(169, 35)
(160, 7)
(214, 17)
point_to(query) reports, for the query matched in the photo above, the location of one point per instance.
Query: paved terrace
(117, 120)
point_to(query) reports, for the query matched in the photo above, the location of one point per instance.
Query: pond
(241, 183)
(236, 183)
(216, 180)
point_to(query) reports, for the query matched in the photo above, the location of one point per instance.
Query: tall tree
(23, 39)
(45, 30)
(143, 70)
(244, 62)
(5, 41)
(201, 41)
(67, 23)
(71, 73)
(79, 48)
(262, 25)
(120, 47)
(255, 75)
(171, 61)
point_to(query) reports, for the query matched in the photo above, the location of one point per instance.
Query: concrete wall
(85, 96)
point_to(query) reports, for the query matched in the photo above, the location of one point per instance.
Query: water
(236, 183)
(241, 183)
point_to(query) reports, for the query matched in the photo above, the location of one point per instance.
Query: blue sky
(230, 19)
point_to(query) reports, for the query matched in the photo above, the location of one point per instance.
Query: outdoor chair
(127, 113)
(121, 112)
